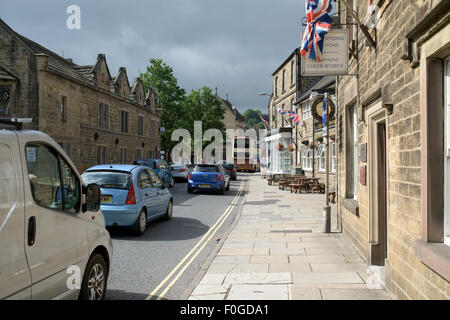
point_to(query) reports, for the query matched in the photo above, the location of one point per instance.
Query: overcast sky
(234, 45)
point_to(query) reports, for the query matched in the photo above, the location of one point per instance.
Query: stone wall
(406, 276)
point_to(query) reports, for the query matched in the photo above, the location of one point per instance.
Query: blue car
(208, 177)
(161, 167)
(132, 195)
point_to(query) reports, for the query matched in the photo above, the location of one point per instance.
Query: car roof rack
(17, 123)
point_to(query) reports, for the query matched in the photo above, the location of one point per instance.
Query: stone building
(393, 145)
(95, 117)
(311, 153)
(232, 119)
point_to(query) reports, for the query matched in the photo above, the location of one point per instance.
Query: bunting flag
(319, 23)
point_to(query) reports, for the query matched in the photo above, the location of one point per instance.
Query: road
(163, 262)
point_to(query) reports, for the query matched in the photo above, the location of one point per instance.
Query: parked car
(54, 244)
(208, 177)
(180, 171)
(161, 167)
(132, 195)
(231, 170)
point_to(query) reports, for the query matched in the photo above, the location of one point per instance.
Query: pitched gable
(100, 72)
(121, 84)
(138, 92)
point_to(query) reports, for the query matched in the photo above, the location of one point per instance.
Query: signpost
(327, 208)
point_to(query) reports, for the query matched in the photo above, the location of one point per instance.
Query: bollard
(326, 219)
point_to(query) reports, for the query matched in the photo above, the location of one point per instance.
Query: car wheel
(140, 225)
(190, 190)
(172, 182)
(222, 191)
(169, 211)
(94, 279)
(228, 188)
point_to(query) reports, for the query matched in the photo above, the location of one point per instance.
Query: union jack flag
(281, 111)
(295, 118)
(319, 23)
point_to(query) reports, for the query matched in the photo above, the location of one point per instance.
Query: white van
(53, 240)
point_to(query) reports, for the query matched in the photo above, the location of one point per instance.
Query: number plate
(106, 199)
(204, 186)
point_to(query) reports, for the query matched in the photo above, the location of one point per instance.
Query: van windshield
(108, 179)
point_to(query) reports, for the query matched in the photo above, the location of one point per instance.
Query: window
(45, 170)
(306, 112)
(322, 155)
(307, 158)
(140, 125)
(292, 73)
(101, 155)
(44, 175)
(276, 86)
(283, 88)
(63, 109)
(156, 181)
(138, 154)
(152, 128)
(144, 180)
(333, 157)
(5, 100)
(447, 151)
(124, 121)
(103, 116)
(71, 189)
(352, 153)
(123, 155)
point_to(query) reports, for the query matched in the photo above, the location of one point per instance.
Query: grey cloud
(233, 45)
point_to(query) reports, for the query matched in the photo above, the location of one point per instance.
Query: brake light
(182, 170)
(190, 176)
(220, 177)
(131, 197)
(233, 170)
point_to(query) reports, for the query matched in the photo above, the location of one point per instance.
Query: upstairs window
(5, 100)
(103, 116)
(63, 109)
(292, 73)
(276, 86)
(283, 81)
(306, 112)
(123, 155)
(101, 155)
(140, 125)
(124, 121)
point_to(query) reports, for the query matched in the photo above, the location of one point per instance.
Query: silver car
(180, 170)
(54, 244)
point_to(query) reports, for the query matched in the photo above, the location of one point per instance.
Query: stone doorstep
(338, 267)
(316, 277)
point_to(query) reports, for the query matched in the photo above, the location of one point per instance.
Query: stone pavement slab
(277, 250)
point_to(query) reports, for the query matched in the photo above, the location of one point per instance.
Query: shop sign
(334, 57)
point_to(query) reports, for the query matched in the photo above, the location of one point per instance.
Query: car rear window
(108, 179)
(206, 169)
(150, 164)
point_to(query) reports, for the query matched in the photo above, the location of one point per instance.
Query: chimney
(227, 96)
(216, 91)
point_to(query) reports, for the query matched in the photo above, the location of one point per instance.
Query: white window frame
(333, 157)
(322, 155)
(306, 112)
(447, 151)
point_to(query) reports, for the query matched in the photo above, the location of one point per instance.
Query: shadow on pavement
(179, 228)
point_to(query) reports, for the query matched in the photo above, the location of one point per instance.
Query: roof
(321, 83)
(296, 50)
(114, 167)
(233, 109)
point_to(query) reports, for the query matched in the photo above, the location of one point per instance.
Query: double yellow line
(194, 252)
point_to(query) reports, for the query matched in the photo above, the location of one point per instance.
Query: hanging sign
(317, 109)
(334, 57)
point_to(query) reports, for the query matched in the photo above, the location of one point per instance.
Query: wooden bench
(298, 186)
(317, 186)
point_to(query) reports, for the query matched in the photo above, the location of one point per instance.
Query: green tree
(203, 105)
(159, 76)
(253, 118)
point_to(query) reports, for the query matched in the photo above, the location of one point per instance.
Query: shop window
(322, 156)
(333, 157)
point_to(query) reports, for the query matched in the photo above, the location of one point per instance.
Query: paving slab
(269, 259)
(289, 267)
(354, 294)
(322, 277)
(258, 292)
(304, 293)
(260, 278)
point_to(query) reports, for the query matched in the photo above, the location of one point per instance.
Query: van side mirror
(93, 198)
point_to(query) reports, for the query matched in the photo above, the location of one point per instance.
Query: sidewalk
(277, 251)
